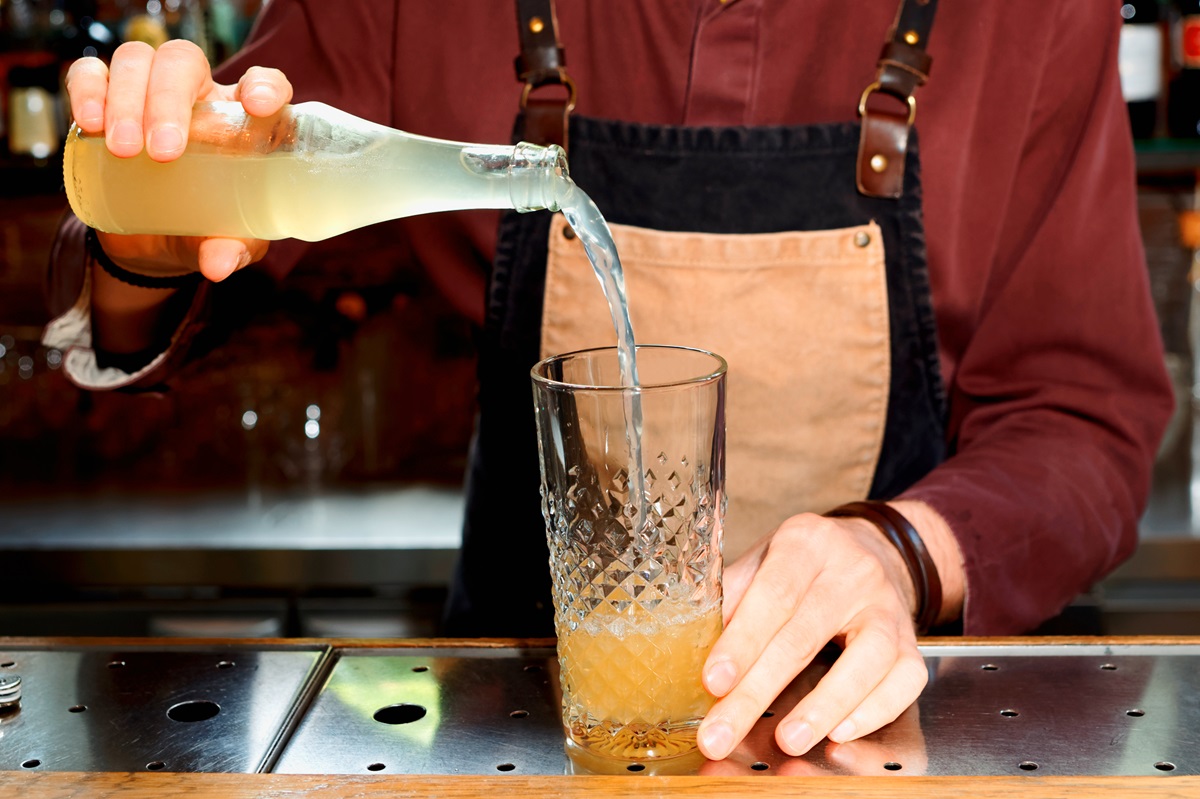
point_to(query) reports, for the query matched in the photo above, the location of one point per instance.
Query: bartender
(993, 381)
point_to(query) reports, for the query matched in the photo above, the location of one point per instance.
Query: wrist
(919, 563)
(130, 277)
(943, 546)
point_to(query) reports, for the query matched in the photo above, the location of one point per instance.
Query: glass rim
(722, 367)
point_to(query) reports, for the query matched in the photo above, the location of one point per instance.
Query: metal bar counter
(364, 718)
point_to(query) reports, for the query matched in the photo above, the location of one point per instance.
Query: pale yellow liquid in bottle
(310, 195)
(631, 680)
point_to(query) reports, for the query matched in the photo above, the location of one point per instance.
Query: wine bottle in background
(1183, 108)
(1141, 64)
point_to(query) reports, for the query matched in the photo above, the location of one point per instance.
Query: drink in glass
(637, 578)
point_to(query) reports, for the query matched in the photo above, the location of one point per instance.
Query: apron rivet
(912, 38)
(568, 234)
(536, 25)
(879, 162)
(862, 239)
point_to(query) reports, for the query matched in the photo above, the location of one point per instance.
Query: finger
(219, 258)
(263, 91)
(890, 698)
(790, 651)
(737, 577)
(179, 76)
(871, 656)
(898, 748)
(87, 85)
(770, 601)
(125, 103)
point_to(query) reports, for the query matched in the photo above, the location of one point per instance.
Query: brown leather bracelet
(912, 549)
(135, 278)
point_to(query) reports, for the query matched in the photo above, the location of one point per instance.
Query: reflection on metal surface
(994, 710)
(988, 710)
(172, 709)
(486, 711)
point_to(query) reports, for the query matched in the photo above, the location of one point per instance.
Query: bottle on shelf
(1141, 64)
(1183, 108)
(309, 172)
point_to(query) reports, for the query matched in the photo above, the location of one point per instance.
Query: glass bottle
(1141, 64)
(309, 172)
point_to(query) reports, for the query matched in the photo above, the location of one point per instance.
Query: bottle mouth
(549, 162)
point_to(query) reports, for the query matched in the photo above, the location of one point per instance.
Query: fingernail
(166, 140)
(260, 93)
(127, 133)
(91, 111)
(716, 739)
(844, 731)
(797, 738)
(720, 677)
(243, 258)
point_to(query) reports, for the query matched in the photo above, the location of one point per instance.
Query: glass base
(636, 741)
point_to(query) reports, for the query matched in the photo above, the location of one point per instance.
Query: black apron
(729, 180)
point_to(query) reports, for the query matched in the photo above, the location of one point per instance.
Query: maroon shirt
(1048, 340)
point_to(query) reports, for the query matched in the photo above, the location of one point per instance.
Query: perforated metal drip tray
(155, 707)
(988, 710)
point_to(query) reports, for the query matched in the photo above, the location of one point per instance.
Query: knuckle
(912, 670)
(86, 67)
(181, 49)
(880, 637)
(263, 74)
(132, 51)
(799, 638)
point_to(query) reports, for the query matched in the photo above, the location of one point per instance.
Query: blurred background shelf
(215, 504)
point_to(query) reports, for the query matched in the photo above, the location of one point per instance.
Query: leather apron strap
(903, 66)
(541, 63)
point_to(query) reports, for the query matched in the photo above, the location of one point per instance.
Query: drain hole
(1027, 765)
(116, 664)
(76, 708)
(1136, 712)
(1009, 713)
(768, 714)
(226, 664)
(533, 667)
(399, 714)
(8, 664)
(635, 767)
(505, 767)
(892, 766)
(376, 767)
(1108, 667)
(989, 667)
(156, 765)
(36, 763)
(759, 766)
(420, 669)
(1162, 765)
(199, 710)
(518, 714)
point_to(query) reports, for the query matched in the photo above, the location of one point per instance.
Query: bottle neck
(537, 176)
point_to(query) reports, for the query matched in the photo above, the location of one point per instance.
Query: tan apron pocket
(801, 318)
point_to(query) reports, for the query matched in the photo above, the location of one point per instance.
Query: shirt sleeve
(1061, 394)
(339, 53)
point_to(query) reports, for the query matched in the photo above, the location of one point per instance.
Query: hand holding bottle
(144, 100)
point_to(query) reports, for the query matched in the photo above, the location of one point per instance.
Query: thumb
(220, 258)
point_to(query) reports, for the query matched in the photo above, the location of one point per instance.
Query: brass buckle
(562, 79)
(876, 87)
